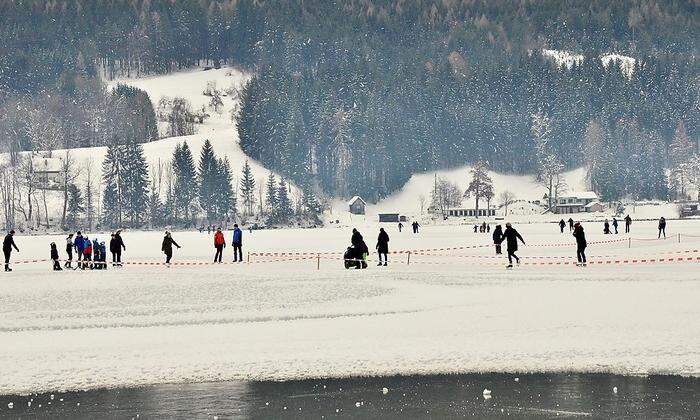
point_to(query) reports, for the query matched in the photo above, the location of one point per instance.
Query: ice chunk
(385, 390)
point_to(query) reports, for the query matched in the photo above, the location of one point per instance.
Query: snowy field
(451, 310)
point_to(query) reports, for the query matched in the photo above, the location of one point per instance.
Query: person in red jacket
(219, 244)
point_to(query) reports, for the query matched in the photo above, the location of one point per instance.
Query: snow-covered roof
(354, 199)
(590, 195)
(593, 203)
(45, 164)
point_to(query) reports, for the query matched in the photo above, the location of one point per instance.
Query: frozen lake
(454, 309)
(513, 396)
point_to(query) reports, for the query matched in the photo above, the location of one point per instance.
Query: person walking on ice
(400, 226)
(415, 227)
(237, 243)
(219, 244)
(7, 244)
(615, 224)
(628, 222)
(54, 257)
(571, 224)
(383, 246)
(69, 251)
(498, 238)
(662, 227)
(167, 247)
(562, 225)
(606, 227)
(511, 237)
(119, 246)
(79, 244)
(580, 245)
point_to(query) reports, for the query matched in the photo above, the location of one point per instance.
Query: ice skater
(400, 226)
(79, 245)
(580, 244)
(498, 238)
(615, 224)
(167, 247)
(237, 243)
(219, 245)
(118, 247)
(415, 227)
(662, 227)
(571, 224)
(7, 244)
(562, 225)
(383, 246)
(606, 227)
(54, 257)
(511, 237)
(628, 222)
(87, 254)
(69, 251)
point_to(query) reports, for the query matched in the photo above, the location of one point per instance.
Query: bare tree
(89, 194)
(28, 177)
(481, 185)
(421, 201)
(506, 198)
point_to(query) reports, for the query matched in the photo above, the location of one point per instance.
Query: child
(54, 257)
(87, 254)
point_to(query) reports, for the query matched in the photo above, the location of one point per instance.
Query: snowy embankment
(219, 129)
(450, 310)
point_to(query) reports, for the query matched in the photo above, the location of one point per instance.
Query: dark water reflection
(435, 397)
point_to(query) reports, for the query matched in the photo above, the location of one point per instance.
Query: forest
(360, 94)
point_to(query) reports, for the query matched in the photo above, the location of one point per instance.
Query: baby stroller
(354, 258)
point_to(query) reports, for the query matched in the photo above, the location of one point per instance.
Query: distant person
(208, 229)
(7, 244)
(96, 254)
(571, 224)
(511, 237)
(69, 251)
(415, 227)
(615, 224)
(103, 256)
(476, 228)
(79, 244)
(580, 244)
(498, 238)
(219, 244)
(606, 227)
(383, 246)
(237, 243)
(114, 248)
(628, 222)
(120, 246)
(55, 258)
(167, 247)
(662, 227)
(488, 228)
(562, 225)
(400, 226)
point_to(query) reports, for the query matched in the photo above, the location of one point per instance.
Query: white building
(576, 202)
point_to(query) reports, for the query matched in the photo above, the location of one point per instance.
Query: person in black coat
(114, 248)
(7, 244)
(580, 244)
(167, 247)
(662, 227)
(615, 224)
(361, 249)
(571, 224)
(628, 222)
(383, 246)
(511, 237)
(119, 245)
(498, 238)
(55, 258)
(562, 225)
(606, 227)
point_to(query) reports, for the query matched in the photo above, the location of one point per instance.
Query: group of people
(510, 236)
(482, 228)
(220, 244)
(356, 255)
(90, 254)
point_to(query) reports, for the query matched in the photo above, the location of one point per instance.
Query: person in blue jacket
(96, 253)
(79, 244)
(237, 244)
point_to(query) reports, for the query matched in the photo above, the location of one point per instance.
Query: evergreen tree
(75, 206)
(284, 205)
(310, 206)
(224, 197)
(185, 185)
(208, 175)
(112, 172)
(248, 189)
(135, 184)
(271, 194)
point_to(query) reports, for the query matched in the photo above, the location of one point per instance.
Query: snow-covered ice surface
(446, 312)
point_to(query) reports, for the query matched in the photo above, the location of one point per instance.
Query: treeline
(87, 116)
(360, 94)
(189, 193)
